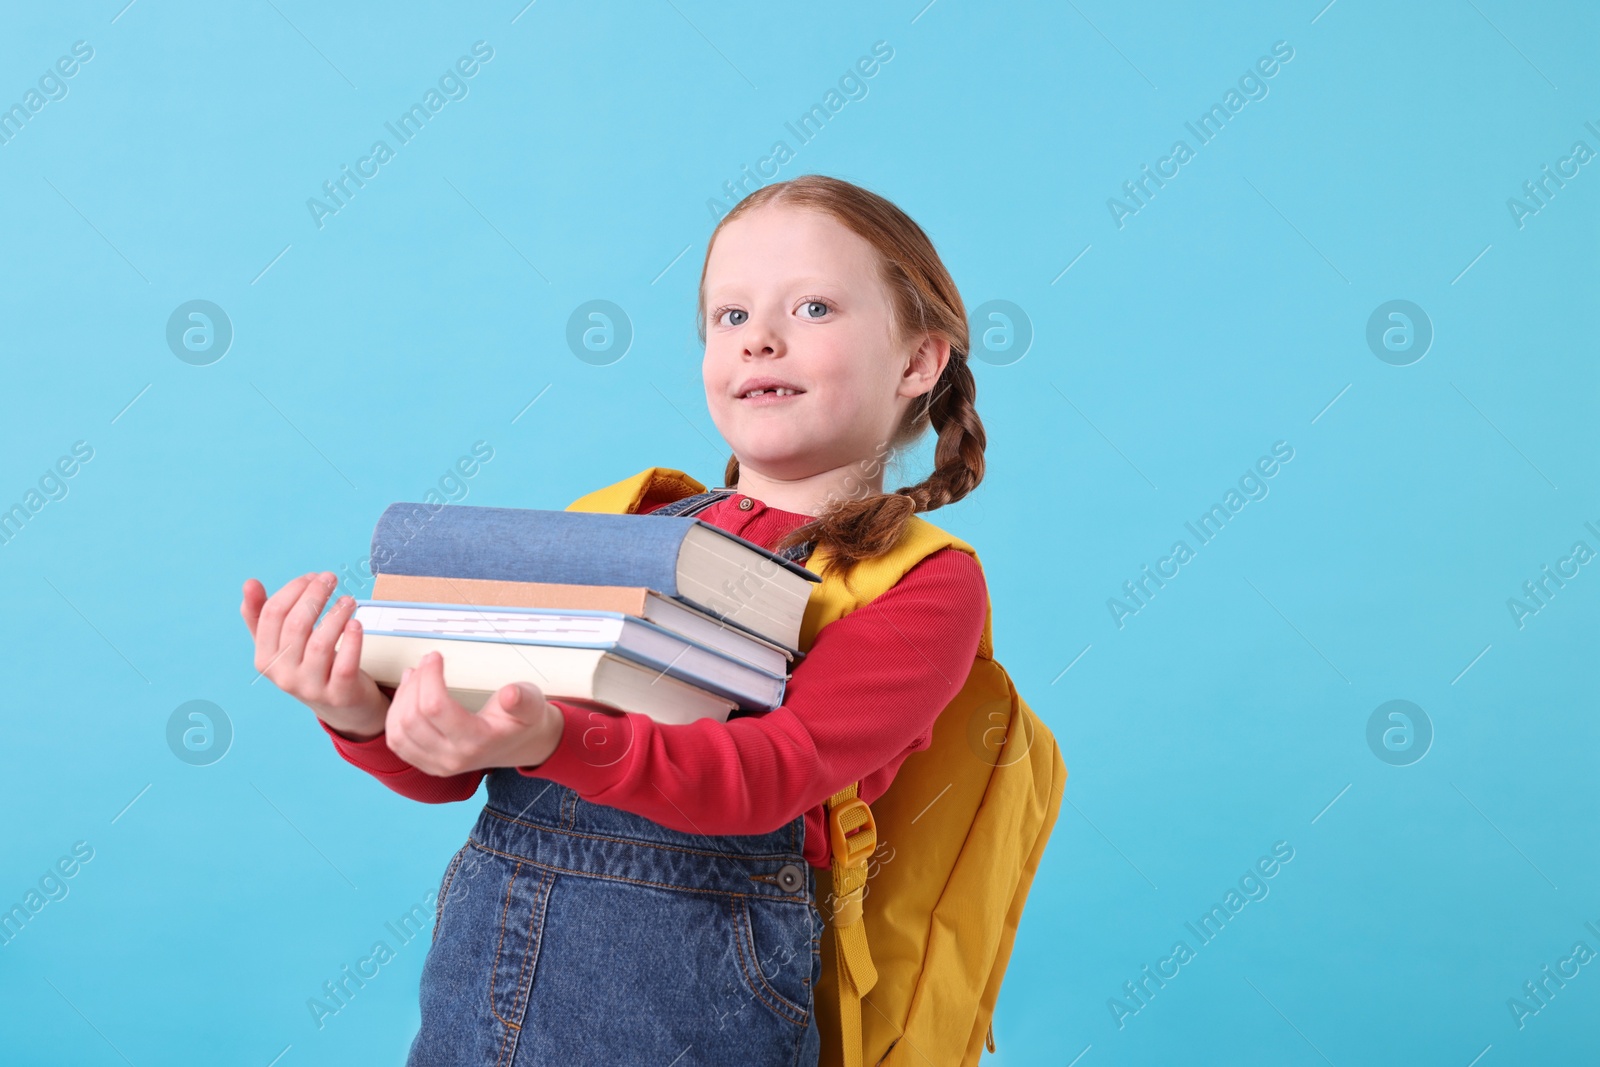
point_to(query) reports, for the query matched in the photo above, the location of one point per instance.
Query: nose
(761, 339)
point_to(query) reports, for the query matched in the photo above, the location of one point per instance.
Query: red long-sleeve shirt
(863, 699)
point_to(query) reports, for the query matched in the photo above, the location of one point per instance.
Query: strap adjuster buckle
(852, 849)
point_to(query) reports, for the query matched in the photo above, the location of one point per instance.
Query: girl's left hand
(433, 732)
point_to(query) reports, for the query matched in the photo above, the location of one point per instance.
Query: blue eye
(817, 304)
(732, 311)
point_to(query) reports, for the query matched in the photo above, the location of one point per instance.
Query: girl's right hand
(304, 663)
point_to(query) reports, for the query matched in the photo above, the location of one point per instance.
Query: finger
(300, 618)
(345, 676)
(512, 707)
(397, 724)
(453, 722)
(271, 622)
(413, 736)
(404, 695)
(255, 595)
(498, 713)
(446, 729)
(318, 658)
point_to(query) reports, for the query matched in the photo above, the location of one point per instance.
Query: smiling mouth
(780, 391)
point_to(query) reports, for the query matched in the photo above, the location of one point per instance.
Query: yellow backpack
(962, 828)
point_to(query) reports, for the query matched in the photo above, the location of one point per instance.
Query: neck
(812, 494)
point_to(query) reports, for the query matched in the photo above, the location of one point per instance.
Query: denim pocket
(444, 887)
(520, 922)
(479, 972)
(778, 958)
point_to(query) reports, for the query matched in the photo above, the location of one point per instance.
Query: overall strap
(689, 505)
(698, 502)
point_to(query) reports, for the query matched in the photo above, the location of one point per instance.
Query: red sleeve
(374, 757)
(867, 692)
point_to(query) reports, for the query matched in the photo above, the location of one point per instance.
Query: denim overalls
(571, 933)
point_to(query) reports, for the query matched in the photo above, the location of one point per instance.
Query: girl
(638, 892)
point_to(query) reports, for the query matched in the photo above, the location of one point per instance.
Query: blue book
(682, 557)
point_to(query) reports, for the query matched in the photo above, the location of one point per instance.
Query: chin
(769, 453)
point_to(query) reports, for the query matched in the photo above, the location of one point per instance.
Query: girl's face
(794, 297)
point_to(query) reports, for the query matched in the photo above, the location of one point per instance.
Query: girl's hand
(305, 664)
(431, 731)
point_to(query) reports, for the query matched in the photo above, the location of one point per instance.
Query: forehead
(778, 245)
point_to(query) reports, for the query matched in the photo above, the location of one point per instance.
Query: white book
(649, 643)
(474, 670)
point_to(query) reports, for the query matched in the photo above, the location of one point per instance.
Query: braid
(858, 529)
(958, 455)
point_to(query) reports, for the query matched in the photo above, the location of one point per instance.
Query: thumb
(522, 701)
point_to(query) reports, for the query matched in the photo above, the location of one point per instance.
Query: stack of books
(668, 616)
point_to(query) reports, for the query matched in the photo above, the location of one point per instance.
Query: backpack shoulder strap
(625, 497)
(852, 831)
(854, 838)
(869, 578)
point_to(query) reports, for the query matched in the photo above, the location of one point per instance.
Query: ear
(926, 364)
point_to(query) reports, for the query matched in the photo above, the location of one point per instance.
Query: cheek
(855, 366)
(721, 356)
(717, 379)
(867, 381)
(716, 374)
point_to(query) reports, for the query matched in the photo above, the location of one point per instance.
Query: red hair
(924, 299)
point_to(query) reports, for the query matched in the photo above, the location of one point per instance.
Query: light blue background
(1227, 314)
